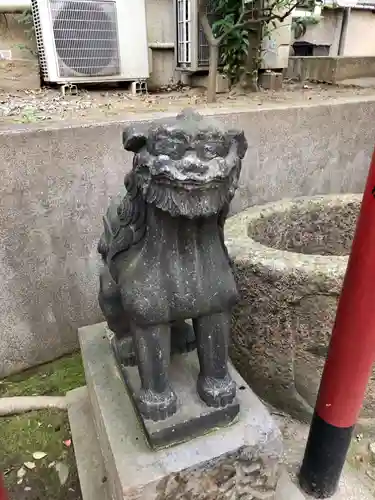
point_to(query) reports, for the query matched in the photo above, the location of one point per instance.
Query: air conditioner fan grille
(85, 36)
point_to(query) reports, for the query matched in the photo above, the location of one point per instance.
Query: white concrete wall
(360, 37)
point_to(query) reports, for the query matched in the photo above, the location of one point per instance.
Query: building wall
(326, 32)
(161, 30)
(22, 72)
(52, 198)
(360, 38)
(361, 28)
(14, 37)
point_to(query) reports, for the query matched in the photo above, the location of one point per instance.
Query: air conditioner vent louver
(85, 37)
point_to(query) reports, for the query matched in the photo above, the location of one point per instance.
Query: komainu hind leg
(182, 337)
(111, 306)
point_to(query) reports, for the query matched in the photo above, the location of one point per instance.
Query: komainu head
(188, 166)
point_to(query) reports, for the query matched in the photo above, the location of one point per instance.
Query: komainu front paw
(157, 406)
(216, 392)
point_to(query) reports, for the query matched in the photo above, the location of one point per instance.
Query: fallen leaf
(38, 455)
(68, 443)
(52, 464)
(27, 488)
(63, 472)
(21, 472)
(29, 465)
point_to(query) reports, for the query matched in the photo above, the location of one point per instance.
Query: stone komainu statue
(165, 260)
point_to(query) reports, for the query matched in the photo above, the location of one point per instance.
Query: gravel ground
(98, 104)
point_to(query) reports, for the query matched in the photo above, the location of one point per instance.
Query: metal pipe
(349, 362)
(14, 6)
(343, 31)
(161, 45)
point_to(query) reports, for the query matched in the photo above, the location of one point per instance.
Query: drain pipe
(344, 30)
(14, 6)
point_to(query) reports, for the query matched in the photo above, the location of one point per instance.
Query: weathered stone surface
(219, 465)
(165, 262)
(290, 260)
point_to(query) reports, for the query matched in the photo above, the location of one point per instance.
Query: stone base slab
(223, 464)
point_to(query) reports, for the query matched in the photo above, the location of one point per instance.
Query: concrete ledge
(330, 69)
(56, 182)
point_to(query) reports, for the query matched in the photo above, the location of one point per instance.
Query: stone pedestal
(239, 460)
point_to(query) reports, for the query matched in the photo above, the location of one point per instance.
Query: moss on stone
(58, 377)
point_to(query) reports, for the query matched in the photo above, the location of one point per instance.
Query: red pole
(3, 491)
(349, 362)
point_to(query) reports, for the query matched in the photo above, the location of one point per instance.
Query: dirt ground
(105, 104)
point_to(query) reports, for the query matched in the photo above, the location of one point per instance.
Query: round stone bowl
(289, 260)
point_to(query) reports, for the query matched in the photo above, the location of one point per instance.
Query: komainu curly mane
(125, 224)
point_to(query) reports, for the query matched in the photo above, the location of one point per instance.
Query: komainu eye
(172, 143)
(211, 146)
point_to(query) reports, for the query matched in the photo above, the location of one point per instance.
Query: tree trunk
(212, 73)
(249, 78)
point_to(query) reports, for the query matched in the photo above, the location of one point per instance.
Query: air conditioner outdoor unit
(91, 40)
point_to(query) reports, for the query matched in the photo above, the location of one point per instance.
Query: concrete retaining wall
(330, 69)
(56, 183)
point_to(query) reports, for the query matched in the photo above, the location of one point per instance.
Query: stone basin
(290, 259)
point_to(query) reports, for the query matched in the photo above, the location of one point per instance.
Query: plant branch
(241, 22)
(238, 24)
(282, 17)
(266, 18)
(207, 29)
